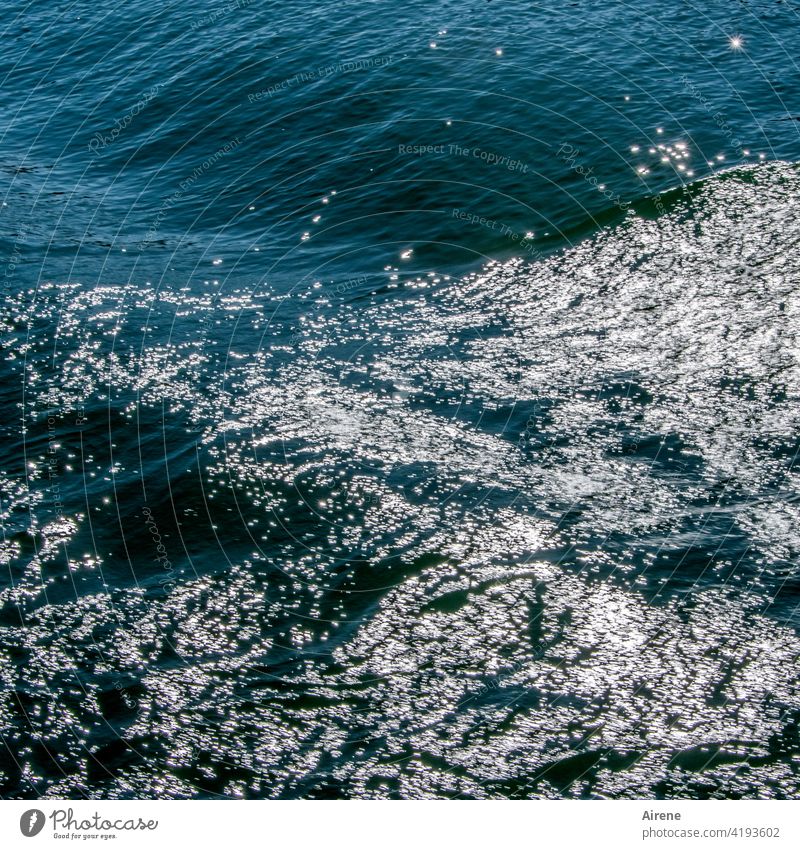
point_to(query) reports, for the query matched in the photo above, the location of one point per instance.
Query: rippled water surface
(337, 466)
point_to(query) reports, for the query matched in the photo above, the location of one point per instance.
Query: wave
(528, 532)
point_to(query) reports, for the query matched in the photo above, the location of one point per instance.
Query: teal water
(400, 403)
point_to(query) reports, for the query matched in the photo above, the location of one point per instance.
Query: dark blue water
(400, 402)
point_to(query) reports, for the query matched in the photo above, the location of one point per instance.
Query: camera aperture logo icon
(31, 822)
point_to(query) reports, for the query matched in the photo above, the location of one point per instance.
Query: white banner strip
(369, 825)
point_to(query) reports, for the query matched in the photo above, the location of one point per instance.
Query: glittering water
(483, 484)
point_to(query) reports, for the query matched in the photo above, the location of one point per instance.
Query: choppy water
(399, 503)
